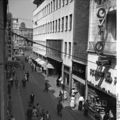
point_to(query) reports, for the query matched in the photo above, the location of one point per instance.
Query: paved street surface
(47, 101)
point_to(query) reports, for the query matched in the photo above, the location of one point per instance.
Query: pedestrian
(11, 81)
(97, 116)
(38, 109)
(16, 83)
(46, 86)
(60, 95)
(28, 76)
(86, 108)
(59, 108)
(47, 116)
(106, 116)
(23, 83)
(80, 103)
(34, 112)
(9, 88)
(12, 117)
(32, 97)
(29, 113)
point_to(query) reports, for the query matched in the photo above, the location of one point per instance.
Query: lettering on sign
(99, 76)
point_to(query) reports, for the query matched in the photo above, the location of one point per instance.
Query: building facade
(3, 84)
(102, 67)
(53, 29)
(9, 37)
(20, 29)
(80, 40)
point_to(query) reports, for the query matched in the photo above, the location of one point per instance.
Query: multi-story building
(53, 29)
(25, 32)
(102, 67)
(22, 30)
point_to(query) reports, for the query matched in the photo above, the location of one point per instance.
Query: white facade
(48, 25)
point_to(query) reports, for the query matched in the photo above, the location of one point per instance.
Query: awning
(50, 66)
(37, 60)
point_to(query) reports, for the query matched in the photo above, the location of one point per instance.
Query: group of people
(35, 111)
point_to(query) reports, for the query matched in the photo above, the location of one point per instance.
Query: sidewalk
(66, 103)
(52, 83)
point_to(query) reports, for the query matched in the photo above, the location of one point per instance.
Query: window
(63, 3)
(65, 48)
(53, 5)
(53, 27)
(59, 3)
(66, 24)
(56, 4)
(70, 22)
(58, 25)
(49, 27)
(62, 28)
(69, 49)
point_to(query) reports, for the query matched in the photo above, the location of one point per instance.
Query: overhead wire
(28, 40)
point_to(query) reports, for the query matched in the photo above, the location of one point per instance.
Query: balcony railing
(110, 48)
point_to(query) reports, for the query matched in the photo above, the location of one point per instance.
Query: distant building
(22, 30)
(27, 33)
(102, 66)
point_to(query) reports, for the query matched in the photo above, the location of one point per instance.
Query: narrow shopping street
(47, 101)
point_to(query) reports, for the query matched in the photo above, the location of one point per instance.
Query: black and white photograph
(59, 60)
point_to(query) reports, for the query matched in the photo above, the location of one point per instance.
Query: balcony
(109, 49)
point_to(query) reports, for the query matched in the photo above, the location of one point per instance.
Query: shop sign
(99, 75)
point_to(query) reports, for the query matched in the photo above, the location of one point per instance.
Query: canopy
(50, 66)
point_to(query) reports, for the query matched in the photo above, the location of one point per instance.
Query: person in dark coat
(9, 88)
(32, 97)
(59, 108)
(106, 116)
(86, 108)
(80, 105)
(29, 113)
(46, 86)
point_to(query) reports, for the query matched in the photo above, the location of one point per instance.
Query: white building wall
(66, 36)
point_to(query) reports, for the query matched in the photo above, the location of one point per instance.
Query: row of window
(52, 6)
(67, 44)
(59, 25)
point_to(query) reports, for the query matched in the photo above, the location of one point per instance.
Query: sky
(22, 9)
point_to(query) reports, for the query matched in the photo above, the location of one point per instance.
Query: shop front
(66, 77)
(78, 81)
(78, 77)
(102, 78)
